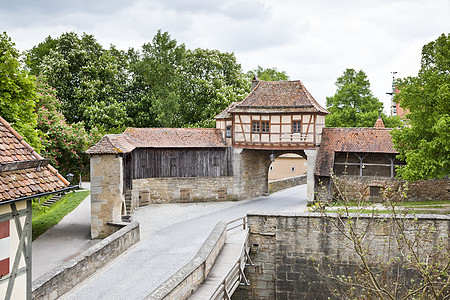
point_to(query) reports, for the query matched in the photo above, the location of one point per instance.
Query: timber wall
(287, 248)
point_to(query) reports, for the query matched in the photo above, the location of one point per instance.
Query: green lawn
(44, 218)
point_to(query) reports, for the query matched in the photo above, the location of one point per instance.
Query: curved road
(170, 235)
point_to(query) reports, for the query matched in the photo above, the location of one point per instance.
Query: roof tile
(344, 139)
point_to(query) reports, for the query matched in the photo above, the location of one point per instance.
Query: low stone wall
(171, 189)
(185, 281)
(281, 184)
(288, 248)
(63, 278)
(356, 187)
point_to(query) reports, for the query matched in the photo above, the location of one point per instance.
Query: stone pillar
(106, 193)
(310, 181)
(250, 171)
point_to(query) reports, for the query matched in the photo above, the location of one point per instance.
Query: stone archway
(251, 166)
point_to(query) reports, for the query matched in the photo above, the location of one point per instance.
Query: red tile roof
(379, 123)
(23, 182)
(225, 114)
(359, 140)
(280, 96)
(133, 138)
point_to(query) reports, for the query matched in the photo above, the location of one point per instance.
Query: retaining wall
(186, 281)
(281, 184)
(63, 278)
(292, 254)
(168, 189)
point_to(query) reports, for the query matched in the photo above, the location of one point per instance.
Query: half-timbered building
(231, 161)
(24, 175)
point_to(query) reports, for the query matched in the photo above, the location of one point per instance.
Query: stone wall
(169, 189)
(107, 196)
(356, 187)
(281, 184)
(186, 281)
(250, 169)
(287, 248)
(63, 278)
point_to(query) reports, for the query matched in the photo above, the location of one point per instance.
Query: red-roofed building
(24, 175)
(364, 158)
(160, 165)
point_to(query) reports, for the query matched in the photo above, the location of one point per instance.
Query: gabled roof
(279, 97)
(133, 138)
(379, 123)
(345, 139)
(23, 172)
(225, 114)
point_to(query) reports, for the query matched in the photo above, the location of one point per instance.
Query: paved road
(170, 235)
(70, 237)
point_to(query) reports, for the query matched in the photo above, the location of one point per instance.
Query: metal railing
(235, 276)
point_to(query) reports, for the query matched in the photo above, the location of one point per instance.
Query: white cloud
(313, 41)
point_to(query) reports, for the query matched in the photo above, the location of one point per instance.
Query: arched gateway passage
(160, 165)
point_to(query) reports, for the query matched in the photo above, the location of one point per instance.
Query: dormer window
(260, 126)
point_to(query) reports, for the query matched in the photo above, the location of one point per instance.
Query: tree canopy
(425, 143)
(17, 95)
(353, 104)
(267, 74)
(162, 85)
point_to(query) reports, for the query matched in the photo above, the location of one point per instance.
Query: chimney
(255, 82)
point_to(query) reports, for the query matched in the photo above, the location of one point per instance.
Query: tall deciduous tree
(90, 81)
(353, 104)
(267, 74)
(65, 144)
(17, 93)
(425, 145)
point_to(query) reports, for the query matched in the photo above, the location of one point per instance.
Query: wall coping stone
(65, 269)
(196, 262)
(353, 215)
(287, 178)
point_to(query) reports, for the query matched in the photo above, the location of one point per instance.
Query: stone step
(52, 200)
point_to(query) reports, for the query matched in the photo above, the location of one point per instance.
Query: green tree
(65, 144)
(353, 104)
(17, 94)
(267, 74)
(90, 81)
(154, 97)
(210, 81)
(425, 145)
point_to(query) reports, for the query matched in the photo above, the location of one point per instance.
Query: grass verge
(44, 219)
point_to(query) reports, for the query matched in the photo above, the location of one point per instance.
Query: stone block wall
(169, 189)
(356, 187)
(281, 184)
(62, 279)
(107, 196)
(288, 248)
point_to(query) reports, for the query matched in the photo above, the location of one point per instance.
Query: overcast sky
(313, 41)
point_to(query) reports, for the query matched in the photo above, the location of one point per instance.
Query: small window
(264, 126)
(260, 126)
(375, 191)
(296, 127)
(228, 132)
(293, 169)
(271, 168)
